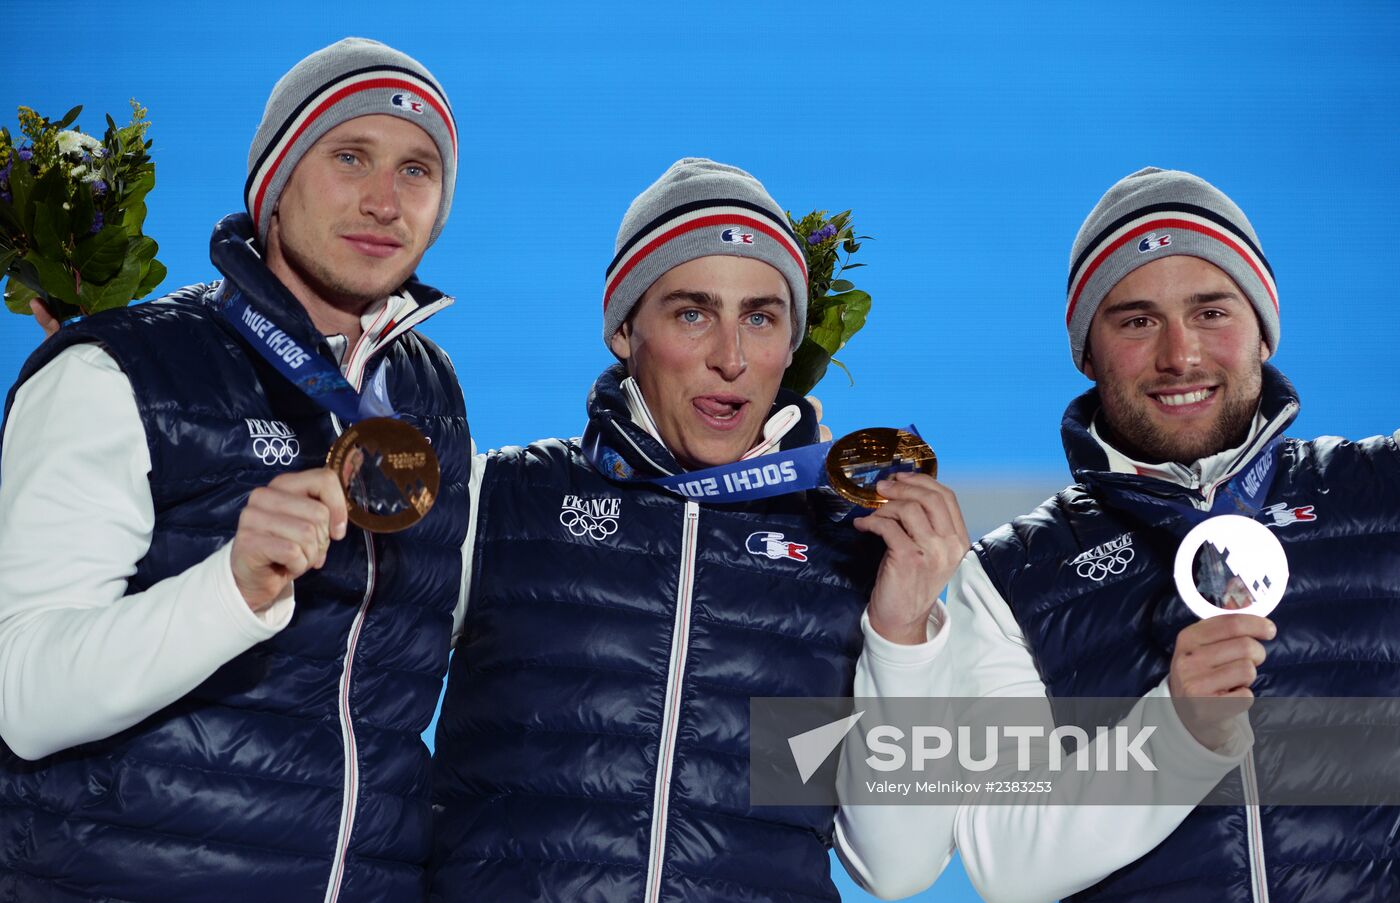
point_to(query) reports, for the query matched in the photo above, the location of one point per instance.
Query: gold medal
(389, 473)
(857, 462)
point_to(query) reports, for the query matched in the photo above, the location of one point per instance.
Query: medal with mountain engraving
(389, 472)
(861, 459)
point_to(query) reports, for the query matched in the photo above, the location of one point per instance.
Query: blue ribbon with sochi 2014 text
(312, 374)
(777, 473)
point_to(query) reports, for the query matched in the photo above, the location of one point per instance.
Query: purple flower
(96, 222)
(25, 153)
(821, 234)
(5, 196)
(99, 188)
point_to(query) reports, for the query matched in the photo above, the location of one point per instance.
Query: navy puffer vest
(1111, 631)
(593, 744)
(298, 764)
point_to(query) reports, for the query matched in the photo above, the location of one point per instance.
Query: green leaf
(21, 187)
(24, 271)
(139, 188)
(853, 314)
(99, 257)
(54, 279)
(841, 319)
(825, 328)
(47, 236)
(808, 366)
(133, 220)
(68, 117)
(120, 290)
(9, 222)
(841, 285)
(89, 296)
(6, 257)
(48, 197)
(83, 210)
(143, 249)
(18, 295)
(845, 370)
(137, 263)
(152, 277)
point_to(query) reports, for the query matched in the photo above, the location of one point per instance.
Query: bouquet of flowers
(71, 212)
(836, 309)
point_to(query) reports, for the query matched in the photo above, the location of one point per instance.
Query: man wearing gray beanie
(1172, 309)
(181, 720)
(628, 595)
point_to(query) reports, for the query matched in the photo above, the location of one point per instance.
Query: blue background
(969, 139)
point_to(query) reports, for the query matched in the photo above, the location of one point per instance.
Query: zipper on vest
(354, 368)
(670, 714)
(350, 789)
(1258, 876)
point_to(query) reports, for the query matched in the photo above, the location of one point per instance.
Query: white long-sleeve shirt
(896, 851)
(80, 659)
(1039, 852)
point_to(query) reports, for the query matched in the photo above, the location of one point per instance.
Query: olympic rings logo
(1097, 569)
(275, 450)
(581, 524)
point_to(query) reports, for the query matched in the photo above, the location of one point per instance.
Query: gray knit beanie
(700, 208)
(352, 77)
(1157, 213)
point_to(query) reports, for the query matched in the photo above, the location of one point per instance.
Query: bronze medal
(389, 472)
(858, 461)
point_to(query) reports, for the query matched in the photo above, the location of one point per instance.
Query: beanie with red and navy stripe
(352, 77)
(1156, 213)
(700, 208)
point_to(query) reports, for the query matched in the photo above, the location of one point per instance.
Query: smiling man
(1173, 312)
(178, 723)
(593, 744)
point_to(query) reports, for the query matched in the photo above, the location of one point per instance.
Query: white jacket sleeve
(1042, 852)
(79, 659)
(897, 851)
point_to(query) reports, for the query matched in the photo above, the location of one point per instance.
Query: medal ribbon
(778, 473)
(1243, 494)
(311, 373)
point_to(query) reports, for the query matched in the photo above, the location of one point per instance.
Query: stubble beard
(332, 287)
(1133, 432)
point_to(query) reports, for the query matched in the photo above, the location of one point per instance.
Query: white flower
(71, 142)
(82, 172)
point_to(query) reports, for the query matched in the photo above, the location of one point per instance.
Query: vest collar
(1090, 461)
(613, 422)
